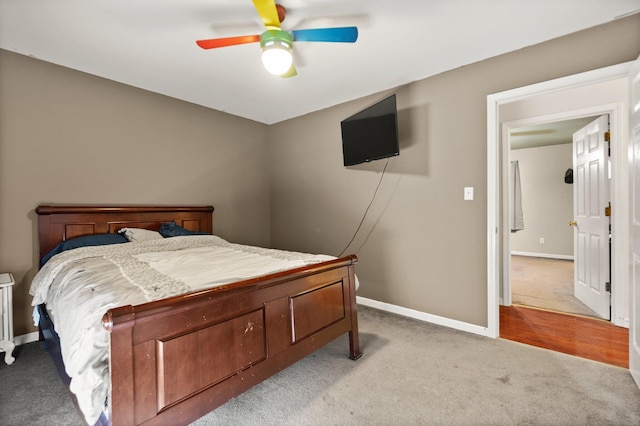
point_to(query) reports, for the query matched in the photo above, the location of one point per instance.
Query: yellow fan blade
(268, 12)
(291, 73)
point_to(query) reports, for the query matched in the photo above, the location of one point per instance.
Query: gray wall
(547, 202)
(422, 246)
(68, 137)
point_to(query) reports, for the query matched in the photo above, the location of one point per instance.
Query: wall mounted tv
(371, 134)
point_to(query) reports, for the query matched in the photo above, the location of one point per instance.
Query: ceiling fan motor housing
(271, 37)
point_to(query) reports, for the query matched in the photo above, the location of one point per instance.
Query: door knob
(573, 223)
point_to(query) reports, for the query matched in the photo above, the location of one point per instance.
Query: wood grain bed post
(119, 323)
(354, 340)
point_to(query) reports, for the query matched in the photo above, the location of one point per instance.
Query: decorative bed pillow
(84, 241)
(140, 234)
(172, 229)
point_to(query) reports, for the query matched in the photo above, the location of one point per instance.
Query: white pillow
(139, 234)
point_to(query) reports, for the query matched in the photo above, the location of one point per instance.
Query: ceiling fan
(277, 44)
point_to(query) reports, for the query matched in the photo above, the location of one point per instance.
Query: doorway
(542, 244)
(582, 245)
(602, 91)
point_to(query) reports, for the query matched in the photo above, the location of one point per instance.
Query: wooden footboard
(175, 360)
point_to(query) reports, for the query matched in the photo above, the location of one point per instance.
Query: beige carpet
(545, 283)
(411, 373)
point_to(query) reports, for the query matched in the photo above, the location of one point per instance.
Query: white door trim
(494, 181)
(634, 228)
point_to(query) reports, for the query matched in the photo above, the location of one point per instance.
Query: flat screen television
(371, 134)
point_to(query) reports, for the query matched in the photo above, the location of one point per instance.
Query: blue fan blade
(339, 35)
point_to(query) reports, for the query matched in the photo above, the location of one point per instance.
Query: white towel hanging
(516, 216)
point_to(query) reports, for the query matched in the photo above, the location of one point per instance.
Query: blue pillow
(172, 229)
(85, 241)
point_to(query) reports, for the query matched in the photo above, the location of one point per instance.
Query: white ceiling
(150, 44)
(554, 133)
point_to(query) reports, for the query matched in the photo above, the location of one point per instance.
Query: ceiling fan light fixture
(277, 47)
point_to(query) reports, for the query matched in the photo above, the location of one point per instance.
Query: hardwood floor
(589, 338)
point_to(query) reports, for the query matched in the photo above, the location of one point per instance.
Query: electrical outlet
(541, 240)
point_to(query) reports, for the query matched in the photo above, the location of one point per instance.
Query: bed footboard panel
(192, 362)
(172, 363)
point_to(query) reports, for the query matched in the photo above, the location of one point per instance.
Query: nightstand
(6, 317)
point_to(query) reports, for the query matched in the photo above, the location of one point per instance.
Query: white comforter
(80, 285)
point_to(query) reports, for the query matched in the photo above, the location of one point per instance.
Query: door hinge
(607, 287)
(607, 210)
(607, 136)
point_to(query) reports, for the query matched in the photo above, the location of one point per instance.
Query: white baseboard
(26, 338)
(545, 255)
(423, 316)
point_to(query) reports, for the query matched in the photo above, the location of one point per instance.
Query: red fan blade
(227, 41)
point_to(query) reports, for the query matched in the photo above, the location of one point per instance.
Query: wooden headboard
(61, 223)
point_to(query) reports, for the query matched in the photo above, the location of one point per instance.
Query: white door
(591, 225)
(634, 219)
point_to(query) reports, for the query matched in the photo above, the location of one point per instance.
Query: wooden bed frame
(174, 360)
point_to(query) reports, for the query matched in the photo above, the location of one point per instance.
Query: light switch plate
(468, 193)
